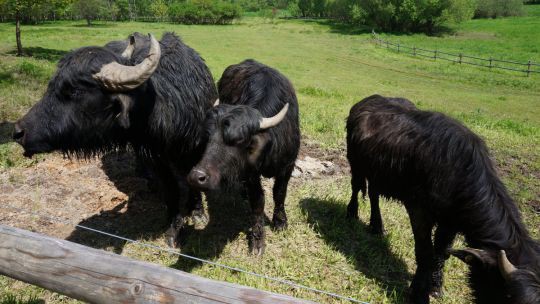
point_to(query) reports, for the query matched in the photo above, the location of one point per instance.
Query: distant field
(331, 68)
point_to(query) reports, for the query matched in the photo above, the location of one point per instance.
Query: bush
(204, 12)
(402, 15)
(498, 8)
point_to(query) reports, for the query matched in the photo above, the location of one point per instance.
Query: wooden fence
(97, 276)
(460, 58)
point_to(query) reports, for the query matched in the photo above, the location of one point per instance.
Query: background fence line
(456, 58)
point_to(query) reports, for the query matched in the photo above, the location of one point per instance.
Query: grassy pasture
(331, 68)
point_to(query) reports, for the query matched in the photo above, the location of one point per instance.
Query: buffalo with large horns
(443, 174)
(140, 92)
(253, 130)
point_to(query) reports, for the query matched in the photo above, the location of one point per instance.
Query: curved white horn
(274, 120)
(216, 103)
(505, 266)
(120, 78)
(130, 48)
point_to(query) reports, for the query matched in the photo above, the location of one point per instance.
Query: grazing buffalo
(149, 95)
(253, 130)
(443, 174)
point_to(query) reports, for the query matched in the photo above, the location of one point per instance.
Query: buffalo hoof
(279, 224)
(376, 230)
(256, 241)
(172, 235)
(257, 247)
(352, 214)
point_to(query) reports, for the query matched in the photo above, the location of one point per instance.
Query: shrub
(498, 8)
(204, 12)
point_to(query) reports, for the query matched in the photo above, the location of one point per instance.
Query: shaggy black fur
(443, 174)
(162, 119)
(239, 152)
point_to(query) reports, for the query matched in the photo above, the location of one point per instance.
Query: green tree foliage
(402, 15)
(498, 8)
(89, 9)
(204, 12)
(159, 10)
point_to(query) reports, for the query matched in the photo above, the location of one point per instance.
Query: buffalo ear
(478, 257)
(126, 103)
(257, 146)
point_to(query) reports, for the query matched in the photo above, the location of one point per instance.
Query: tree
(89, 9)
(159, 9)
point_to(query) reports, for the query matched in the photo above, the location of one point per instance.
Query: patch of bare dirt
(314, 161)
(101, 193)
(107, 194)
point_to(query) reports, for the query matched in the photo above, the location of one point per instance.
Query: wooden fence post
(528, 68)
(398, 47)
(97, 276)
(490, 62)
(460, 57)
(414, 50)
(435, 55)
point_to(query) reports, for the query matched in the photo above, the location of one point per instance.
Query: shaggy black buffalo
(149, 95)
(443, 174)
(253, 130)
(375, 103)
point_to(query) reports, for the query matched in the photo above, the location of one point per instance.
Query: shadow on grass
(371, 254)
(144, 217)
(96, 25)
(6, 132)
(229, 215)
(42, 53)
(344, 28)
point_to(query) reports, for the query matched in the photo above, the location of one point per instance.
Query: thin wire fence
(491, 63)
(58, 220)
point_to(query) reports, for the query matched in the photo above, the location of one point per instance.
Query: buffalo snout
(203, 179)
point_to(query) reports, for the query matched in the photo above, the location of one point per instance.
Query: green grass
(331, 70)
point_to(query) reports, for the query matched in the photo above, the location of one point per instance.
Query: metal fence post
(528, 68)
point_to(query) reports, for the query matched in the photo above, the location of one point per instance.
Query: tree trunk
(88, 21)
(18, 32)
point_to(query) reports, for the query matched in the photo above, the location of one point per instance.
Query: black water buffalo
(149, 95)
(374, 103)
(253, 131)
(443, 174)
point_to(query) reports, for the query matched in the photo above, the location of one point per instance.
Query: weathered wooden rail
(97, 276)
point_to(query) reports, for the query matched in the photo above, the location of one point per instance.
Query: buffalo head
(237, 138)
(88, 101)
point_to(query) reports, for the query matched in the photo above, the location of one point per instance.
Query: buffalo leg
(357, 184)
(443, 241)
(375, 221)
(422, 226)
(279, 218)
(171, 194)
(256, 199)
